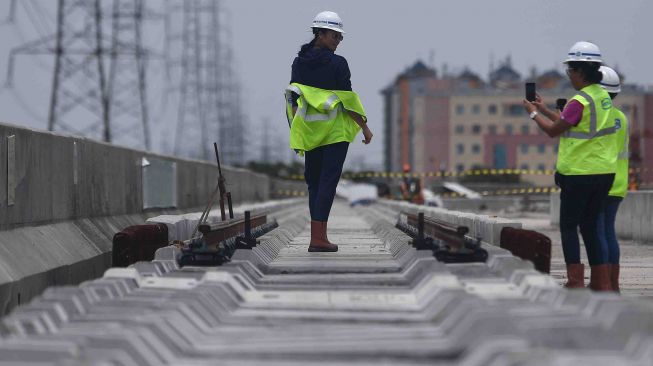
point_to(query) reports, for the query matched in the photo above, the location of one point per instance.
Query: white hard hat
(328, 20)
(584, 52)
(610, 81)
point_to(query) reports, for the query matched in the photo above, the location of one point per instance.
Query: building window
(476, 109)
(460, 109)
(523, 148)
(525, 129)
(541, 167)
(460, 129)
(492, 129)
(460, 149)
(514, 110)
(524, 167)
(476, 148)
(460, 168)
(508, 129)
(492, 109)
(476, 129)
(541, 148)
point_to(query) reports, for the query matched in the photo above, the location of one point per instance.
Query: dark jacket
(321, 68)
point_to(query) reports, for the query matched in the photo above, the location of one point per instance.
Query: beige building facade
(461, 124)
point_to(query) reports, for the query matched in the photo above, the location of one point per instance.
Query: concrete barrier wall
(59, 177)
(633, 218)
(62, 198)
(33, 258)
(485, 203)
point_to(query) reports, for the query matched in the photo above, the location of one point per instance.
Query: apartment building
(458, 123)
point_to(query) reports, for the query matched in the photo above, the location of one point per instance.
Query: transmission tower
(206, 84)
(127, 75)
(87, 95)
(233, 121)
(191, 138)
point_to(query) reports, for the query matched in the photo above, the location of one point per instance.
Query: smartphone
(561, 103)
(530, 92)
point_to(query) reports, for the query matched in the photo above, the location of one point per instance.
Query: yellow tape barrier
(500, 192)
(474, 172)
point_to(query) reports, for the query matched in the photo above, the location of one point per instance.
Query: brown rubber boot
(614, 277)
(600, 278)
(575, 275)
(318, 238)
(326, 236)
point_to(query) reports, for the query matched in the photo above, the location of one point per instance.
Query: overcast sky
(382, 39)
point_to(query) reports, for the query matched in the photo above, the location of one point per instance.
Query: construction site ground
(636, 258)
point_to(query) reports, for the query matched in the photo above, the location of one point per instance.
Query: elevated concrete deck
(376, 301)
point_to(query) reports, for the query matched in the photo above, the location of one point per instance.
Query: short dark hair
(590, 70)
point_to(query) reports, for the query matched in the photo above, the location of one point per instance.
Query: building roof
(505, 75)
(417, 70)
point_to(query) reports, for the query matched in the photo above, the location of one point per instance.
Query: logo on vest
(606, 104)
(617, 123)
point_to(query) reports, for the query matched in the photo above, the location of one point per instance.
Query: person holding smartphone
(586, 165)
(325, 116)
(610, 205)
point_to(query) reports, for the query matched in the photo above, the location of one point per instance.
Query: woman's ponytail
(311, 44)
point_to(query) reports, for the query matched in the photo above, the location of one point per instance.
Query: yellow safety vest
(590, 147)
(321, 117)
(620, 185)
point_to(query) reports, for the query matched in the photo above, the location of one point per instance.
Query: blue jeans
(580, 201)
(605, 227)
(322, 170)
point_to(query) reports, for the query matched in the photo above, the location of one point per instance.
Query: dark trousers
(322, 170)
(605, 226)
(580, 201)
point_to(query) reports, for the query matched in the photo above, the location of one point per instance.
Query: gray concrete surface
(62, 198)
(60, 177)
(633, 218)
(377, 301)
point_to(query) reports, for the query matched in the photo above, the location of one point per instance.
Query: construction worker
(325, 117)
(587, 161)
(411, 187)
(610, 204)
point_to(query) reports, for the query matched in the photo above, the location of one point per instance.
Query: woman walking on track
(587, 161)
(325, 116)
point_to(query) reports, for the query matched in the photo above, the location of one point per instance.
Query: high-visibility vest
(620, 185)
(321, 117)
(590, 147)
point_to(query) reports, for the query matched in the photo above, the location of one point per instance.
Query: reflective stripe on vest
(315, 117)
(591, 146)
(620, 184)
(593, 132)
(625, 147)
(321, 117)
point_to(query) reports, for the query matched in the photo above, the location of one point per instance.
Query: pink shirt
(572, 113)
